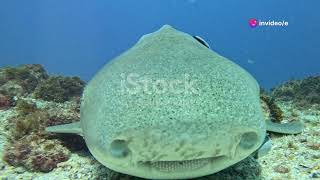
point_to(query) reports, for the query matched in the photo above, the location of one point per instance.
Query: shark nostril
(248, 140)
(119, 148)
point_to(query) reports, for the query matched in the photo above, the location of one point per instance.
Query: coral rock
(59, 89)
(304, 93)
(281, 169)
(21, 80)
(5, 101)
(270, 107)
(36, 154)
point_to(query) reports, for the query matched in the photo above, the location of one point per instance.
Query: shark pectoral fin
(264, 148)
(74, 128)
(285, 128)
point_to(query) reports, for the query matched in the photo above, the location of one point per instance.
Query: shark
(171, 108)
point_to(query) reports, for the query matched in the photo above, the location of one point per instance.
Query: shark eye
(248, 140)
(119, 148)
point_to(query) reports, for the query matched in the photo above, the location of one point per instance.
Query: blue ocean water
(77, 37)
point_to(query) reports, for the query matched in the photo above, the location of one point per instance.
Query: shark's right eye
(248, 140)
(119, 148)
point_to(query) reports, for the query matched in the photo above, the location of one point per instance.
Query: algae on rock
(59, 88)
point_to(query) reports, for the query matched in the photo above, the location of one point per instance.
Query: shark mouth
(170, 166)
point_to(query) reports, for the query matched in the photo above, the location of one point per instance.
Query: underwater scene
(159, 89)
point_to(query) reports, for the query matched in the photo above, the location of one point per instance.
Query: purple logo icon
(253, 22)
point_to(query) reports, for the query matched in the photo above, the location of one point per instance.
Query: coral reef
(304, 93)
(30, 147)
(31, 123)
(36, 154)
(23, 107)
(21, 80)
(6, 101)
(59, 89)
(27, 144)
(33, 79)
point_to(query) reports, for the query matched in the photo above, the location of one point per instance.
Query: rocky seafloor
(30, 100)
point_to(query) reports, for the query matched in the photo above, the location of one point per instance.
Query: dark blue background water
(76, 37)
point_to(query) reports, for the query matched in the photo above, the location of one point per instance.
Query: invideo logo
(253, 22)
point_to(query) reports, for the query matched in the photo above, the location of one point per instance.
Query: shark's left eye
(119, 148)
(248, 140)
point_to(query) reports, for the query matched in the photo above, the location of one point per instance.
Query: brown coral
(303, 93)
(29, 146)
(17, 153)
(47, 162)
(5, 101)
(21, 80)
(34, 149)
(276, 113)
(33, 153)
(24, 107)
(34, 122)
(59, 89)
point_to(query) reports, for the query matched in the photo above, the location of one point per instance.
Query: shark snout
(148, 148)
